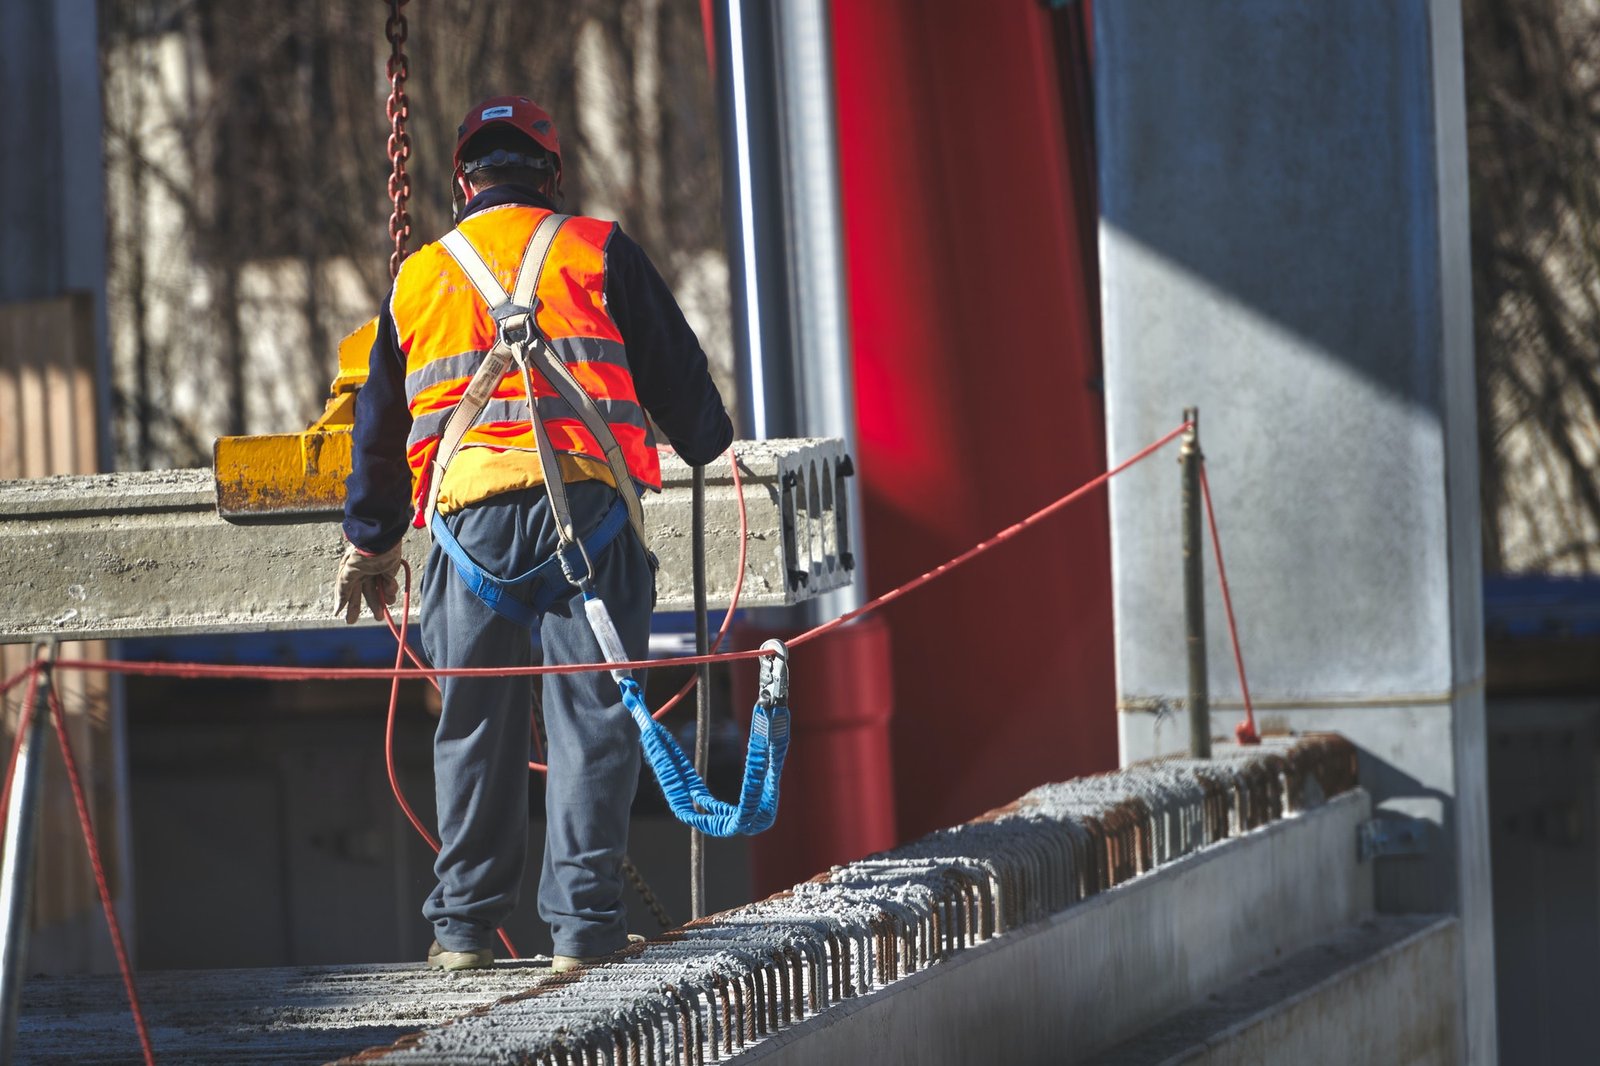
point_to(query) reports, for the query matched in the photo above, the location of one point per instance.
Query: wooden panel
(47, 426)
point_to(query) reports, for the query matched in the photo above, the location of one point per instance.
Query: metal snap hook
(586, 582)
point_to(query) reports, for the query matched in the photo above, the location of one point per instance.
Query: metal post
(1194, 592)
(702, 689)
(16, 871)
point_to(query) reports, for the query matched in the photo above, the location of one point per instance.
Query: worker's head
(507, 139)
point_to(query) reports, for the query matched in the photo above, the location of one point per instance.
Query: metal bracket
(1391, 835)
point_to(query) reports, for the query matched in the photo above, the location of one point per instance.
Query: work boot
(441, 958)
(563, 963)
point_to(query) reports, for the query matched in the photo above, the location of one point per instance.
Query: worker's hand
(369, 577)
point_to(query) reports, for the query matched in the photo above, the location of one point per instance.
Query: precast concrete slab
(1091, 975)
(134, 554)
(815, 971)
(1221, 864)
(283, 1017)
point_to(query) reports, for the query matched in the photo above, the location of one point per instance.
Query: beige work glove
(369, 577)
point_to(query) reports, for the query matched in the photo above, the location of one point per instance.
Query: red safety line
(401, 651)
(399, 672)
(404, 651)
(24, 720)
(733, 603)
(100, 884)
(722, 631)
(16, 679)
(194, 671)
(1245, 731)
(354, 673)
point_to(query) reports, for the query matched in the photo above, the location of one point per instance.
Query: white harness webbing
(519, 339)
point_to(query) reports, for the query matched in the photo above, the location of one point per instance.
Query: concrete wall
(1284, 243)
(1390, 1007)
(1106, 969)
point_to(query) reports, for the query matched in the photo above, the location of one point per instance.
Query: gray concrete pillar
(1284, 243)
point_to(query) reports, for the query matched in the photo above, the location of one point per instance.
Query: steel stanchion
(702, 690)
(16, 870)
(1194, 593)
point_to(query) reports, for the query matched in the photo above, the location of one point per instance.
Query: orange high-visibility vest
(445, 331)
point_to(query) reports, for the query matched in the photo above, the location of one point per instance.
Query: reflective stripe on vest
(445, 330)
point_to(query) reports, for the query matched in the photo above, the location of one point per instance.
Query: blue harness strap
(687, 795)
(685, 791)
(547, 580)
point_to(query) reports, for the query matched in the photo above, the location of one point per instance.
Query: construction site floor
(288, 1016)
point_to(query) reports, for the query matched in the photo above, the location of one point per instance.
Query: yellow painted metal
(285, 474)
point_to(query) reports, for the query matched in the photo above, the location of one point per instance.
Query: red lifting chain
(399, 110)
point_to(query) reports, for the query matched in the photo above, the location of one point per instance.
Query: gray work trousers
(480, 752)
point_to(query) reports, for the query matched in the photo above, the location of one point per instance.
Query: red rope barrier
(24, 720)
(16, 679)
(197, 671)
(368, 673)
(993, 542)
(1245, 731)
(722, 631)
(399, 672)
(100, 883)
(733, 602)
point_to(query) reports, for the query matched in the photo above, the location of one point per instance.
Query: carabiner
(774, 684)
(583, 582)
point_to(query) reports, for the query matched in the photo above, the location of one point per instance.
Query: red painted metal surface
(963, 160)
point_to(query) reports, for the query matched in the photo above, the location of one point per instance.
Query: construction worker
(606, 313)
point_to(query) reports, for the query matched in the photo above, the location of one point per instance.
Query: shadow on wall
(1331, 163)
(1405, 883)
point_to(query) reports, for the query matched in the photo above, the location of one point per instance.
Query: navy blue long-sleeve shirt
(669, 371)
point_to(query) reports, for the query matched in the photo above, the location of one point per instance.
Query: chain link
(641, 886)
(398, 110)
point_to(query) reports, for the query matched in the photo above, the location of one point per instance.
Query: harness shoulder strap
(498, 360)
(568, 388)
(477, 271)
(533, 347)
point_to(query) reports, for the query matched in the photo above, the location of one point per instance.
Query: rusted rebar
(716, 986)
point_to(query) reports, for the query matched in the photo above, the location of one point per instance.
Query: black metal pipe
(1194, 592)
(702, 688)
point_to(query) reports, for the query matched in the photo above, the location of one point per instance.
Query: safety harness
(519, 340)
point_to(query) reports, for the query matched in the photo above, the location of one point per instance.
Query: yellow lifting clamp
(282, 475)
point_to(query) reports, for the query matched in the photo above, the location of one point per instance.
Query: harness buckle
(774, 683)
(516, 323)
(582, 580)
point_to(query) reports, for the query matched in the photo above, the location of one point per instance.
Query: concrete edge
(1081, 912)
(1322, 987)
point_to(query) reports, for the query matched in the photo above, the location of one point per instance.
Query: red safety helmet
(517, 112)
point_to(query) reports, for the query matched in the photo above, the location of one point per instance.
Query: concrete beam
(1098, 973)
(132, 554)
(1082, 893)
(1376, 992)
(944, 950)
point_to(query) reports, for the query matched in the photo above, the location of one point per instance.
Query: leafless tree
(247, 176)
(1533, 97)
